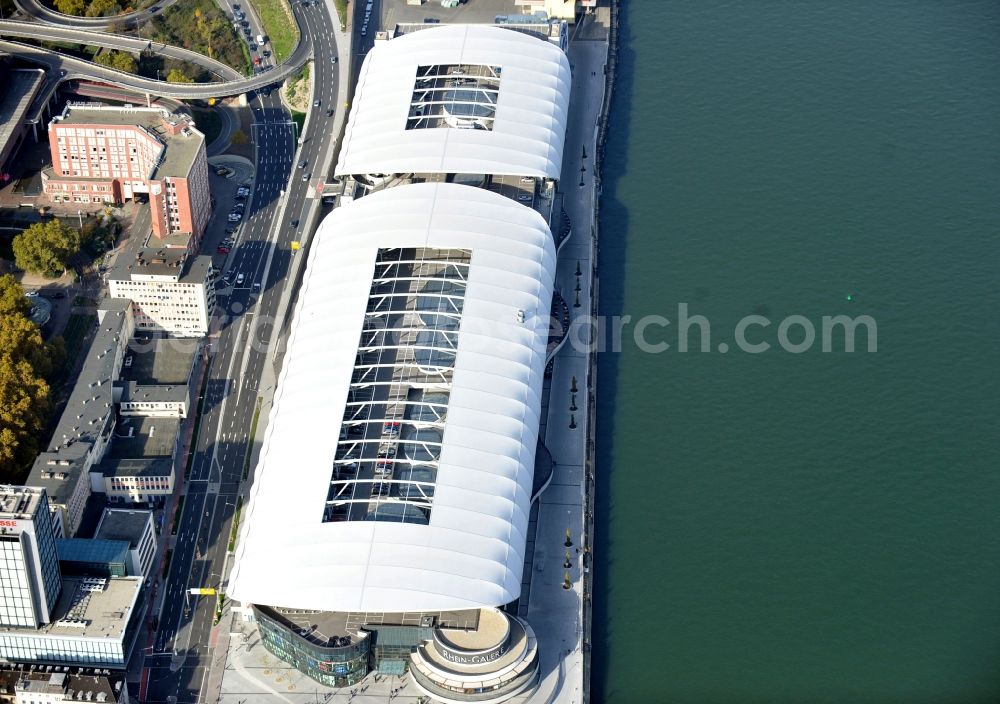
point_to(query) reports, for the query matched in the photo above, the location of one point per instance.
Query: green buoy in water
(850, 296)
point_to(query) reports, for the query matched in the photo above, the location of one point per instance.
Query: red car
(222, 250)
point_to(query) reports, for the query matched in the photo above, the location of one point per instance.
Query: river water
(802, 526)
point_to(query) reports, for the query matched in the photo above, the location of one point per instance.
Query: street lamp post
(79, 214)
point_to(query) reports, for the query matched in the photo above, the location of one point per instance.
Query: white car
(240, 278)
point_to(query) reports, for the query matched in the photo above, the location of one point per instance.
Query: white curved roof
(531, 110)
(471, 552)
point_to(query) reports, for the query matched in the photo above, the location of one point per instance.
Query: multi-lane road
(181, 654)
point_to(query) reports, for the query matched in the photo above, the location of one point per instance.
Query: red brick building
(110, 154)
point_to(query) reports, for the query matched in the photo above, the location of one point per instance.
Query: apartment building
(110, 154)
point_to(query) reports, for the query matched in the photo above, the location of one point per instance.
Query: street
(181, 650)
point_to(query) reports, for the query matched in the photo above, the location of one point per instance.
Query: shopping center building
(388, 524)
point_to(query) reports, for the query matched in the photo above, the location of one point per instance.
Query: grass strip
(299, 118)
(197, 421)
(251, 439)
(236, 524)
(341, 12)
(276, 20)
(177, 515)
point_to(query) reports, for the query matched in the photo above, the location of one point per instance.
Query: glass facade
(29, 647)
(15, 586)
(336, 666)
(103, 558)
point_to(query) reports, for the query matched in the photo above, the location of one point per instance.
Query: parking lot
(223, 234)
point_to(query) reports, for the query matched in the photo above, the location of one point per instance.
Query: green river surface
(814, 527)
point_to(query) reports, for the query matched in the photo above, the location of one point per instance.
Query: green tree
(46, 247)
(177, 76)
(70, 7)
(103, 8)
(120, 60)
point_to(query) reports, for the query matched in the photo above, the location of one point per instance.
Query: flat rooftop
(160, 360)
(133, 392)
(150, 437)
(136, 467)
(102, 613)
(19, 501)
(123, 524)
(180, 149)
(78, 683)
(138, 260)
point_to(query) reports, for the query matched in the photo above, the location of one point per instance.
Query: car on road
(266, 54)
(239, 206)
(527, 179)
(154, 9)
(243, 191)
(256, 286)
(524, 197)
(33, 294)
(432, 20)
(295, 222)
(231, 230)
(333, 59)
(302, 164)
(240, 278)
(329, 113)
(364, 30)
(317, 102)
(307, 176)
(235, 217)
(221, 249)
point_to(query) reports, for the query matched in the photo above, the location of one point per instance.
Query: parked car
(235, 217)
(222, 250)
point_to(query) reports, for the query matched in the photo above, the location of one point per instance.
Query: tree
(177, 76)
(70, 7)
(46, 247)
(12, 299)
(239, 137)
(120, 60)
(103, 8)
(25, 361)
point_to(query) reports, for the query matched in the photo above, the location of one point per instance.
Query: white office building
(173, 292)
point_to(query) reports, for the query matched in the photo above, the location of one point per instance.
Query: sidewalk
(554, 612)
